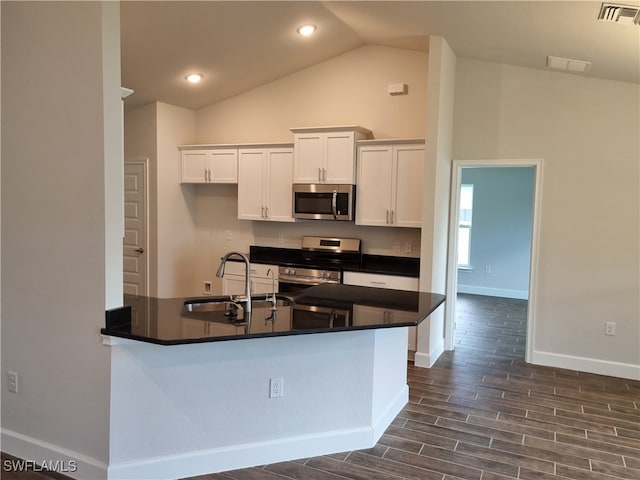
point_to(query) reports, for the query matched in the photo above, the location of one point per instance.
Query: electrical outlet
(276, 386)
(207, 287)
(397, 247)
(408, 247)
(12, 381)
(610, 328)
(228, 236)
(487, 269)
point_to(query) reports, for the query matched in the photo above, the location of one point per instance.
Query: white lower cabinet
(265, 176)
(390, 183)
(392, 282)
(233, 282)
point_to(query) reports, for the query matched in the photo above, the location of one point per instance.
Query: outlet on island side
(610, 328)
(12, 381)
(276, 386)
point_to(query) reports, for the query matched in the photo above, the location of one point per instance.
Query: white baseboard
(391, 412)
(590, 365)
(493, 292)
(260, 453)
(67, 462)
(427, 360)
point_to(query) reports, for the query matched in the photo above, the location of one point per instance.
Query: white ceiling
(239, 45)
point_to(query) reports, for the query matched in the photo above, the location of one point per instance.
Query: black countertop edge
(249, 336)
(389, 265)
(162, 321)
(368, 263)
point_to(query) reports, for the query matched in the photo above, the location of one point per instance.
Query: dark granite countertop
(365, 263)
(166, 321)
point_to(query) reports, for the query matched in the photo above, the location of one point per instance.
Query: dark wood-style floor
(482, 413)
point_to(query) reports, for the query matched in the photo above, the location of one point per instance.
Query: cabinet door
(195, 166)
(261, 287)
(373, 202)
(251, 205)
(233, 285)
(278, 181)
(339, 158)
(392, 282)
(191, 328)
(308, 157)
(408, 185)
(224, 166)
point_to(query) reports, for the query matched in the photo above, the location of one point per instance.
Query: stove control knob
(290, 271)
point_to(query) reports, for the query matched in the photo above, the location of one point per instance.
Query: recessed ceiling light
(306, 30)
(194, 77)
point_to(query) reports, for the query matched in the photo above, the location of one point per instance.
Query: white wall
(140, 132)
(586, 130)
(500, 231)
(435, 216)
(154, 131)
(53, 228)
(350, 89)
(176, 231)
(194, 409)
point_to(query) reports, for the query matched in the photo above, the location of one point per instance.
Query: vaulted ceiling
(239, 45)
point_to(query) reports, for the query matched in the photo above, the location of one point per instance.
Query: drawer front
(258, 270)
(381, 281)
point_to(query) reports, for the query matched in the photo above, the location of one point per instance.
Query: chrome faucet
(273, 290)
(247, 277)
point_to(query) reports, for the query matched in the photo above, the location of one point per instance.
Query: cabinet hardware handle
(319, 174)
(139, 250)
(387, 217)
(266, 212)
(378, 283)
(324, 175)
(392, 212)
(262, 211)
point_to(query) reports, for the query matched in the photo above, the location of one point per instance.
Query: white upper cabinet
(390, 182)
(264, 183)
(326, 154)
(209, 165)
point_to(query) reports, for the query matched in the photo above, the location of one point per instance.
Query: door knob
(139, 250)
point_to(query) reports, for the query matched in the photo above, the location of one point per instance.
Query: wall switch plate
(228, 235)
(397, 247)
(276, 386)
(610, 328)
(487, 269)
(12, 381)
(408, 247)
(207, 287)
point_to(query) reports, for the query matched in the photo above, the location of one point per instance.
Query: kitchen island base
(193, 409)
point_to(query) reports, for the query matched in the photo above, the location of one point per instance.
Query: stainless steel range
(319, 260)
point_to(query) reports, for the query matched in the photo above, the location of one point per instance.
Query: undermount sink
(225, 303)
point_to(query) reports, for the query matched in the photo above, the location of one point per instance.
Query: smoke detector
(624, 14)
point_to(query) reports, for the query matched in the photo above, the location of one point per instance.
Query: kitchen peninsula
(198, 400)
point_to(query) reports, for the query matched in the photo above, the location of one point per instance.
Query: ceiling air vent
(625, 14)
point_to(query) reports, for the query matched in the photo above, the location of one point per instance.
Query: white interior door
(135, 256)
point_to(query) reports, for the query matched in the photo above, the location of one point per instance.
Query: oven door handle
(334, 204)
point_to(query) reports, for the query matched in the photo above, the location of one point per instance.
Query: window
(464, 225)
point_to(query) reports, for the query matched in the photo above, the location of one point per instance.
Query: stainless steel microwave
(324, 201)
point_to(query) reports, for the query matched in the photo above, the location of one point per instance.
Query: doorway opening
(493, 249)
